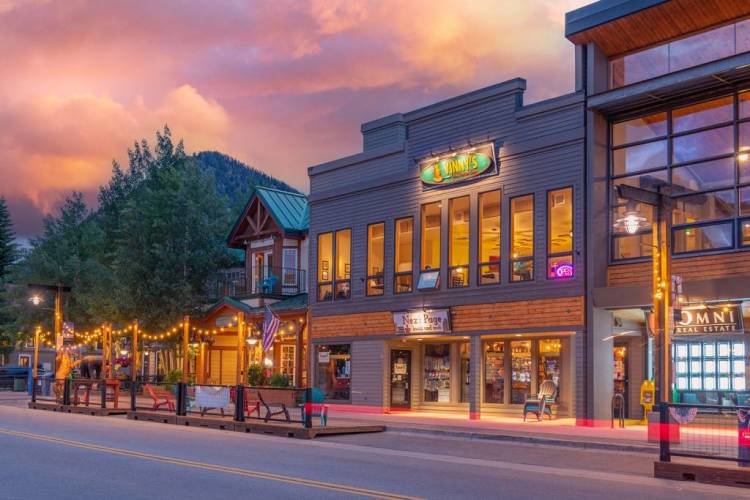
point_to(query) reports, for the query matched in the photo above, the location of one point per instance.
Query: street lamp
(632, 221)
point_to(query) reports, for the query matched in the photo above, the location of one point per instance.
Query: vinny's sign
(711, 320)
(419, 321)
(458, 167)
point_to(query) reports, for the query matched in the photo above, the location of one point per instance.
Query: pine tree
(7, 240)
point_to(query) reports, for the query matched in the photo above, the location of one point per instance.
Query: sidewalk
(558, 432)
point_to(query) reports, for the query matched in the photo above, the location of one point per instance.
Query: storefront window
(431, 215)
(745, 236)
(494, 372)
(437, 373)
(713, 371)
(375, 258)
(458, 250)
(325, 266)
(560, 234)
(489, 237)
(549, 361)
(521, 370)
(343, 263)
(404, 241)
(287, 362)
(333, 372)
(465, 371)
(522, 238)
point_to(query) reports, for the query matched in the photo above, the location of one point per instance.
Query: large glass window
(687, 52)
(343, 264)
(404, 241)
(458, 250)
(437, 373)
(707, 171)
(325, 266)
(489, 237)
(375, 258)
(430, 255)
(521, 371)
(494, 372)
(334, 370)
(560, 233)
(522, 238)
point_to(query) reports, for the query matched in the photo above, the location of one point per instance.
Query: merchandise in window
(333, 365)
(437, 373)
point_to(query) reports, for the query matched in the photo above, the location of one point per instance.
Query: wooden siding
(660, 23)
(704, 267)
(521, 315)
(367, 372)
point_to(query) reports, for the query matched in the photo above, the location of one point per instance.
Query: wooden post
(134, 353)
(665, 251)
(298, 328)
(34, 370)
(240, 344)
(656, 294)
(200, 363)
(185, 343)
(58, 317)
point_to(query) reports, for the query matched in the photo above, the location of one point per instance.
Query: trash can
(19, 384)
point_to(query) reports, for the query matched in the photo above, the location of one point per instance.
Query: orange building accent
(544, 313)
(705, 267)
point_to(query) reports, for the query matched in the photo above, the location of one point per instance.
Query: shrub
(256, 376)
(280, 380)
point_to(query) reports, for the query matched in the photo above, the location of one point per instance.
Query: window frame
(497, 263)
(348, 280)
(333, 282)
(397, 274)
(571, 253)
(452, 268)
(511, 259)
(422, 269)
(381, 275)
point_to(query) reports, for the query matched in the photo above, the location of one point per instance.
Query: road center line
(211, 467)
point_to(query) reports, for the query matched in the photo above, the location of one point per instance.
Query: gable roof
(290, 210)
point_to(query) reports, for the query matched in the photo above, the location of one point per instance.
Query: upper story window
(334, 269)
(404, 242)
(458, 251)
(560, 234)
(687, 52)
(489, 237)
(375, 258)
(522, 238)
(703, 151)
(429, 277)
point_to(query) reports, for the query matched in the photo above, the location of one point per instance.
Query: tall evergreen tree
(7, 240)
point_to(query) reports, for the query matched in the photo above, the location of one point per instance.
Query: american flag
(271, 324)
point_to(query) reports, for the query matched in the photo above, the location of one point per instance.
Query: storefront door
(400, 379)
(620, 359)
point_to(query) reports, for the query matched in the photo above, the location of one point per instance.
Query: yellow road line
(342, 488)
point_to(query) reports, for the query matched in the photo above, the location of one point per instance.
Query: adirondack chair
(161, 397)
(541, 404)
(269, 284)
(317, 408)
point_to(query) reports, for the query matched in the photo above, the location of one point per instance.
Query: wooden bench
(277, 402)
(160, 396)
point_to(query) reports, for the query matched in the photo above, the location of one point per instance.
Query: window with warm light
(458, 249)
(522, 238)
(430, 255)
(375, 259)
(403, 255)
(700, 150)
(560, 234)
(343, 288)
(489, 237)
(325, 266)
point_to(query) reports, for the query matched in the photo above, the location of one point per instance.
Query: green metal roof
(294, 303)
(289, 210)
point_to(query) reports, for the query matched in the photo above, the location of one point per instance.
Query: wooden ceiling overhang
(656, 21)
(256, 222)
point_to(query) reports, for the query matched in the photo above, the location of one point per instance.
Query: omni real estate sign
(422, 321)
(710, 320)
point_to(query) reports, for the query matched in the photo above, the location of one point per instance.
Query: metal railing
(274, 281)
(712, 432)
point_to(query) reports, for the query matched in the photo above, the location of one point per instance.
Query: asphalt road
(45, 455)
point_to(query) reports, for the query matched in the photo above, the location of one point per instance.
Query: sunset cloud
(88, 77)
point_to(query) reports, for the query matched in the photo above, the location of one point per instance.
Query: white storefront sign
(422, 321)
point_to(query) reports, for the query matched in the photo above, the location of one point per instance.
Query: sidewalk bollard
(181, 399)
(66, 391)
(664, 434)
(132, 396)
(103, 390)
(239, 403)
(308, 408)
(33, 390)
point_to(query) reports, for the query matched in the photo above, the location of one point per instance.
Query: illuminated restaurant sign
(419, 321)
(710, 320)
(460, 166)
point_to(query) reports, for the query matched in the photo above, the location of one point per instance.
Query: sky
(278, 84)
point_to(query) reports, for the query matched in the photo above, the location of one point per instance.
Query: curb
(589, 445)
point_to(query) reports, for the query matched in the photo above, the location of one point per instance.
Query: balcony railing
(265, 281)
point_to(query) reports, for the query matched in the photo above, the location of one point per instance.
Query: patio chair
(541, 404)
(269, 284)
(317, 408)
(161, 397)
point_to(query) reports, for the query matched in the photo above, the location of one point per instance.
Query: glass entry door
(400, 379)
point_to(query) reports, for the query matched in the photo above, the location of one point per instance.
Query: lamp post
(37, 299)
(662, 317)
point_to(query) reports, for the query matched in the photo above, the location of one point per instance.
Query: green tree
(7, 240)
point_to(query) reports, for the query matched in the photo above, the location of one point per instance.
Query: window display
(437, 373)
(494, 373)
(710, 366)
(521, 371)
(333, 370)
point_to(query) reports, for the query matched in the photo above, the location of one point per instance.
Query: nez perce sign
(712, 319)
